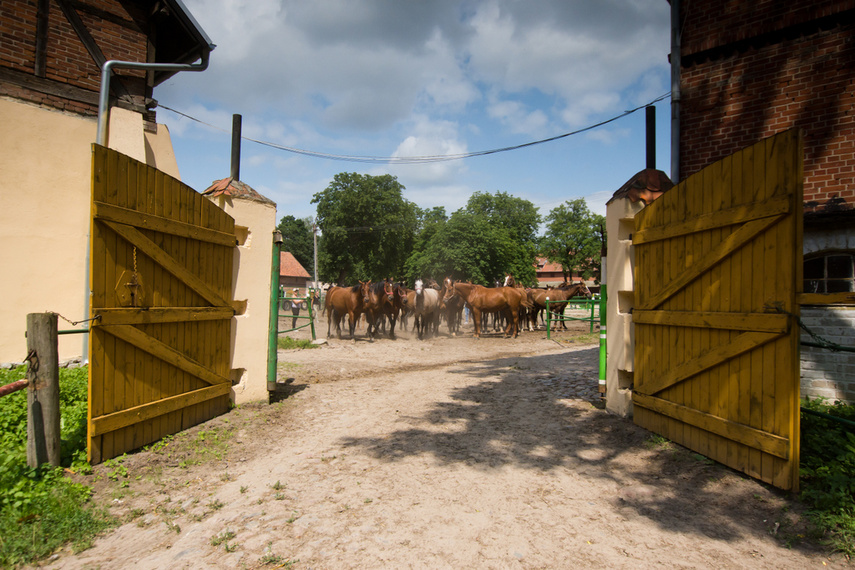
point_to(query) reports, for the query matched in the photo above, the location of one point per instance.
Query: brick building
(749, 70)
(51, 57)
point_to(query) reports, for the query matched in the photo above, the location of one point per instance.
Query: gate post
(273, 330)
(43, 431)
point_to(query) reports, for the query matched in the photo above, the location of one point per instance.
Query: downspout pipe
(107, 72)
(102, 138)
(676, 58)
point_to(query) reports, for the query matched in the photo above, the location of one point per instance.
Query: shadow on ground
(531, 413)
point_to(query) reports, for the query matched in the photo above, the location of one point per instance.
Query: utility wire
(421, 159)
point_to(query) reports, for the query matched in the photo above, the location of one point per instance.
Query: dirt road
(445, 453)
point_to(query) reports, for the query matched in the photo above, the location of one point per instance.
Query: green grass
(42, 509)
(287, 343)
(828, 473)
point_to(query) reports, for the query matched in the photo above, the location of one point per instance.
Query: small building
(292, 273)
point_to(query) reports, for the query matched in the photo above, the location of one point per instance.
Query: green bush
(42, 509)
(828, 471)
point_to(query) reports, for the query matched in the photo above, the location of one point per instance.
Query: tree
(514, 223)
(368, 228)
(575, 237)
(298, 239)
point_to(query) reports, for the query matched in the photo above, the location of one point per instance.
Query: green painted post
(603, 339)
(273, 327)
(311, 315)
(548, 313)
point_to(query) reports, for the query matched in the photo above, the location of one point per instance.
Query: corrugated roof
(235, 189)
(290, 267)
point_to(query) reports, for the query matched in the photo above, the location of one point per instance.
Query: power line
(421, 159)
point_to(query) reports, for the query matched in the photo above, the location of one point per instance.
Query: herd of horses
(510, 305)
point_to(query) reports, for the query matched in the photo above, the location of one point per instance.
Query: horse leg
(476, 321)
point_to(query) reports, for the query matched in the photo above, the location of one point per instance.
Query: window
(830, 273)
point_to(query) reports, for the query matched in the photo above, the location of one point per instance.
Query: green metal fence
(591, 306)
(306, 314)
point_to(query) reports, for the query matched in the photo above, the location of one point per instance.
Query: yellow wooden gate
(161, 282)
(718, 258)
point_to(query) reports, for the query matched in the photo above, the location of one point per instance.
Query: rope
(820, 342)
(75, 323)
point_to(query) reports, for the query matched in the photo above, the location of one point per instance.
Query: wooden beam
(42, 22)
(155, 315)
(151, 249)
(727, 246)
(89, 43)
(719, 219)
(151, 222)
(166, 353)
(741, 344)
(770, 443)
(758, 322)
(48, 86)
(124, 418)
(826, 298)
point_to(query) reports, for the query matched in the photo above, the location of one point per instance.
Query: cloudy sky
(393, 78)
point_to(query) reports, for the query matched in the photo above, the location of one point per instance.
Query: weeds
(288, 343)
(41, 509)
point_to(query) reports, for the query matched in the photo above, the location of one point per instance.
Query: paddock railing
(284, 305)
(589, 306)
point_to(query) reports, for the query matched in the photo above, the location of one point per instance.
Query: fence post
(273, 327)
(43, 431)
(603, 355)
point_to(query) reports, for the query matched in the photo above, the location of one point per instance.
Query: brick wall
(828, 374)
(68, 62)
(733, 98)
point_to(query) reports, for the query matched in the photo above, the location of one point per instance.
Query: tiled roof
(646, 185)
(236, 189)
(290, 267)
(546, 266)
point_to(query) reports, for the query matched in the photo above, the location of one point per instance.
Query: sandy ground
(443, 453)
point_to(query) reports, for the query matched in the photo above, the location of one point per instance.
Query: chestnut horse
(482, 299)
(384, 299)
(348, 301)
(563, 292)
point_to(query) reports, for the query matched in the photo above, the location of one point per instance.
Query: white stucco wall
(252, 273)
(46, 162)
(620, 214)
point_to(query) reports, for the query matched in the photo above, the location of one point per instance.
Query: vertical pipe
(603, 311)
(236, 129)
(676, 57)
(273, 327)
(650, 131)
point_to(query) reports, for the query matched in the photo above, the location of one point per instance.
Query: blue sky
(393, 78)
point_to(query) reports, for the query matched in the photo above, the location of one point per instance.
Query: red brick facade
(753, 69)
(71, 77)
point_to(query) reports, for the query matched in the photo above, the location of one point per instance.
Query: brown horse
(384, 299)
(558, 299)
(482, 299)
(453, 307)
(348, 301)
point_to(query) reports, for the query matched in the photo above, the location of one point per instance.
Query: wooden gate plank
(765, 441)
(733, 242)
(710, 361)
(150, 366)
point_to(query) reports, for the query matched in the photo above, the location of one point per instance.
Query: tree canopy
(575, 237)
(492, 235)
(368, 228)
(298, 239)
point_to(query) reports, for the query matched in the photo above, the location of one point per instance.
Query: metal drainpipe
(676, 57)
(102, 139)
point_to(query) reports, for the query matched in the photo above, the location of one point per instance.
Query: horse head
(420, 287)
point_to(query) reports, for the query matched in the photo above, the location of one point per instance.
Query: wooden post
(43, 434)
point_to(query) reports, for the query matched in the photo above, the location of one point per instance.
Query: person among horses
(296, 305)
